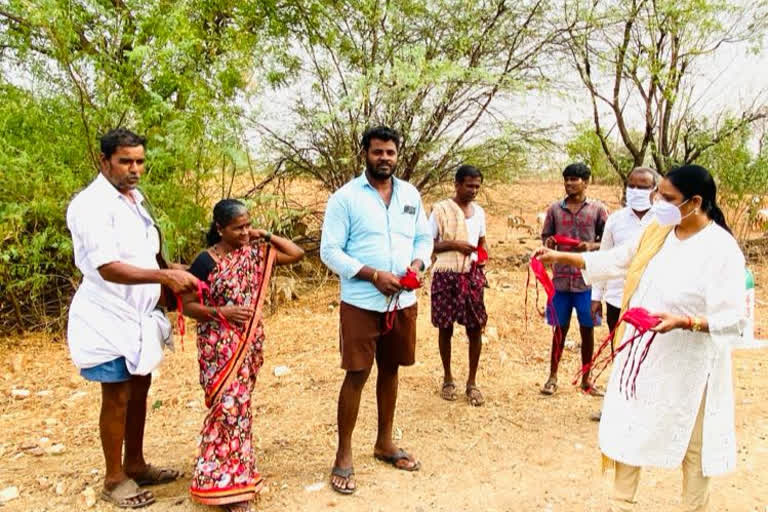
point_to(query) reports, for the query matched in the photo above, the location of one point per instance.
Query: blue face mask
(668, 214)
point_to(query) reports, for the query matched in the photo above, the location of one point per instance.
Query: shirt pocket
(402, 232)
(136, 240)
(403, 225)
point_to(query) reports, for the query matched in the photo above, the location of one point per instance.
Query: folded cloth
(105, 327)
(155, 334)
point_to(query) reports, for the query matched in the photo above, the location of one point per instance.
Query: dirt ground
(520, 452)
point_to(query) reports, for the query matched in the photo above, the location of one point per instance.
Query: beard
(381, 172)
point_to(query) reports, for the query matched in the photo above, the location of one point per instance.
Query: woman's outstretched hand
(545, 255)
(548, 257)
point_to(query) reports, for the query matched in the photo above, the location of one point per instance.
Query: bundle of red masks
(410, 281)
(642, 322)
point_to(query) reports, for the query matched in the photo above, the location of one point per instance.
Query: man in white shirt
(458, 279)
(115, 331)
(622, 226)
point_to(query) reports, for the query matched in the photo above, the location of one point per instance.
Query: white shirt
(621, 227)
(701, 276)
(475, 227)
(108, 320)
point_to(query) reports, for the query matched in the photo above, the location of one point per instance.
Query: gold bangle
(375, 276)
(696, 324)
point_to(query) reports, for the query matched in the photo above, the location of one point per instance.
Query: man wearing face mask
(622, 226)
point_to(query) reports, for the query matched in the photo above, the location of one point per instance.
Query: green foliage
(175, 71)
(585, 146)
(42, 166)
(639, 61)
(435, 72)
(742, 177)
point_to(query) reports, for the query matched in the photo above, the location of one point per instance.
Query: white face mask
(639, 199)
(668, 214)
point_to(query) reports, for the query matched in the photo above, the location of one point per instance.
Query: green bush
(585, 147)
(45, 162)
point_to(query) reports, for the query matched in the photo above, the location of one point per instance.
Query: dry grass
(521, 451)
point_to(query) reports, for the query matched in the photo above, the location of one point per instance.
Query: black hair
(223, 213)
(577, 170)
(380, 132)
(695, 180)
(468, 171)
(117, 137)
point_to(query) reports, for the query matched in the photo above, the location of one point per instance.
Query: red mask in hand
(482, 256)
(537, 267)
(410, 281)
(642, 321)
(566, 241)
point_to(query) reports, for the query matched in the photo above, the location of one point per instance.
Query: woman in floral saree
(230, 335)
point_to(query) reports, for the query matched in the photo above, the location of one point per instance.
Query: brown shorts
(360, 338)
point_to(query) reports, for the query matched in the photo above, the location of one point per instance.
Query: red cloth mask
(566, 241)
(537, 267)
(482, 255)
(410, 281)
(642, 322)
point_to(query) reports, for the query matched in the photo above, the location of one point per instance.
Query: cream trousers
(695, 484)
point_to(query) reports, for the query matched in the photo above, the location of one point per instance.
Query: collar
(564, 206)
(104, 187)
(363, 181)
(635, 215)
(645, 219)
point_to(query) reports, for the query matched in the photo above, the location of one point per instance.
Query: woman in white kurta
(682, 412)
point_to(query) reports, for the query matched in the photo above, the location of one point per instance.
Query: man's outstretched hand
(179, 281)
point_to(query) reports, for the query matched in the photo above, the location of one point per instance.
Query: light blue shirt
(359, 229)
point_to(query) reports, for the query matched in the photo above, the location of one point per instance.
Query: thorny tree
(437, 71)
(640, 59)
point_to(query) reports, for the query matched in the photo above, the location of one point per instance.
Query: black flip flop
(399, 455)
(448, 391)
(346, 474)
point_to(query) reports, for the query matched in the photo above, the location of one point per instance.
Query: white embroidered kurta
(702, 276)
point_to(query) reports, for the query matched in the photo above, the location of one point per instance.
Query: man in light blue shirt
(374, 231)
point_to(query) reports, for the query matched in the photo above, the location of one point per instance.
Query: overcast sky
(730, 80)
